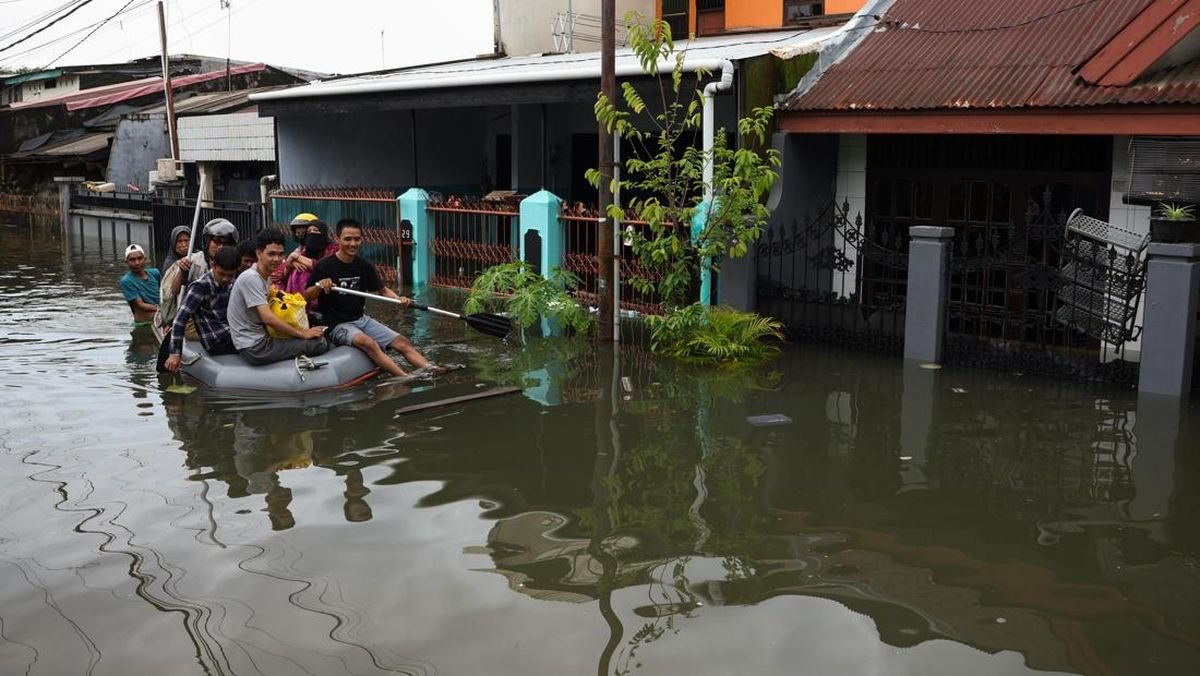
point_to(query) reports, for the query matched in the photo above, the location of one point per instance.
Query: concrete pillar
(66, 188)
(699, 222)
(1169, 330)
(928, 283)
(539, 215)
(413, 208)
(208, 170)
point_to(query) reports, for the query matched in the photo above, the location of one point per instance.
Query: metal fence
(376, 209)
(31, 205)
(831, 278)
(132, 202)
(470, 236)
(169, 213)
(580, 237)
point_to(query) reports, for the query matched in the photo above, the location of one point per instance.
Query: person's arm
(269, 319)
(375, 283)
(136, 304)
(195, 295)
(319, 287)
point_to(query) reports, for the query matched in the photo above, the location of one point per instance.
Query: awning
(85, 146)
(32, 77)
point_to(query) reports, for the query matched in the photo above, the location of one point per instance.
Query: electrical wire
(90, 34)
(894, 23)
(14, 30)
(74, 9)
(21, 53)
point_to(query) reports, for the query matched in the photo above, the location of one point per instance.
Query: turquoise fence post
(699, 221)
(539, 213)
(413, 205)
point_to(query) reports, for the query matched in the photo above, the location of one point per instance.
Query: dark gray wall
(806, 184)
(140, 141)
(375, 149)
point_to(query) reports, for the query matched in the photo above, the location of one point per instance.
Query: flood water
(620, 516)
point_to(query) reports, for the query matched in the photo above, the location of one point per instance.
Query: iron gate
(1012, 306)
(830, 278)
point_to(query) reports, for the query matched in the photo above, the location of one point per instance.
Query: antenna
(228, 43)
(382, 60)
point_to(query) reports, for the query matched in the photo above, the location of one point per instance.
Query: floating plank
(486, 394)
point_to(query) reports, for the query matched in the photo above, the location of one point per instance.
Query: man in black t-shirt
(344, 313)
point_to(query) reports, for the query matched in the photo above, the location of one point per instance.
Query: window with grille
(675, 13)
(802, 10)
(710, 17)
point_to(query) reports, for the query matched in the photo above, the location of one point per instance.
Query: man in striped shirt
(205, 304)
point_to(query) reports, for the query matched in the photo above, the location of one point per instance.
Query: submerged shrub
(716, 336)
(526, 296)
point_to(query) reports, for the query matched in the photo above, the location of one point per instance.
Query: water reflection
(1005, 515)
(622, 516)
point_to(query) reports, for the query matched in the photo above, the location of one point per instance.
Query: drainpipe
(710, 90)
(264, 184)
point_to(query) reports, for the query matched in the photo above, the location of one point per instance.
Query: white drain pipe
(710, 90)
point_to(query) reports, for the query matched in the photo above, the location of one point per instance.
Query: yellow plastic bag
(289, 307)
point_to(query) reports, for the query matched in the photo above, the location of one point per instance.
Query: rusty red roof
(989, 54)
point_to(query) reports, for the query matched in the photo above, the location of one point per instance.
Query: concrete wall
(66, 84)
(140, 140)
(851, 188)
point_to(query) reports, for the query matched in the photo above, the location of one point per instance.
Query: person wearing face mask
(294, 274)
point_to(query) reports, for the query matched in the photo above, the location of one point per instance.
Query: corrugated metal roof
(580, 66)
(988, 54)
(115, 93)
(78, 146)
(33, 77)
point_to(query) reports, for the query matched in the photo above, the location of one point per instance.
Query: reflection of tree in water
(958, 559)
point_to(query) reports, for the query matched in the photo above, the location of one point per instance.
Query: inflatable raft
(340, 367)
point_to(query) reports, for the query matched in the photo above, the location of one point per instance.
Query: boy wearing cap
(140, 285)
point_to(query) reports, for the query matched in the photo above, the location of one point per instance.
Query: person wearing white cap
(140, 285)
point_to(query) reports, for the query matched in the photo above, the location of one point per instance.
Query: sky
(328, 36)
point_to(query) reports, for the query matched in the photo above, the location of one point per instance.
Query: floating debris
(769, 420)
(958, 390)
(931, 367)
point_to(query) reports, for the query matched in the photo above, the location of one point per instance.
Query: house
(998, 119)
(716, 17)
(71, 132)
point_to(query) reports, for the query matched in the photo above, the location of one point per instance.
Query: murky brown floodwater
(905, 521)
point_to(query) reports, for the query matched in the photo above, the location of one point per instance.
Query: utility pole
(166, 70)
(604, 238)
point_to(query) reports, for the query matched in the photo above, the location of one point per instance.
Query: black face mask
(314, 244)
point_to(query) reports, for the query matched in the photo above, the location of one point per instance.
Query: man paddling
(344, 313)
(250, 315)
(206, 303)
(140, 285)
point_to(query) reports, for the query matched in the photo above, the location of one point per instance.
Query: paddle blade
(492, 325)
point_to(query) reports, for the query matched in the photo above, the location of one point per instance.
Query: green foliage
(527, 296)
(665, 173)
(715, 336)
(1175, 212)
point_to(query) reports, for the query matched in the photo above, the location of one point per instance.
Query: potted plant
(1172, 222)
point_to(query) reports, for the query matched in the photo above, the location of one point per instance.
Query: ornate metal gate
(1019, 295)
(831, 278)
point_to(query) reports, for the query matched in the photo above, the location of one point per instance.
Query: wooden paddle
(492, 325)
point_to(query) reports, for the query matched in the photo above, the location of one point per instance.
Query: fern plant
(526, 296)
(715, 336)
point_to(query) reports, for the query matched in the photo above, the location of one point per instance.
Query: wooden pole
(604, 238)
(166, 70)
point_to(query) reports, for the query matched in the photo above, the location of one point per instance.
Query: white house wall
(234, 137)
(527, 26)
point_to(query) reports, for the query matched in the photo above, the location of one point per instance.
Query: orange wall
(753, 14)
(762, 13)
